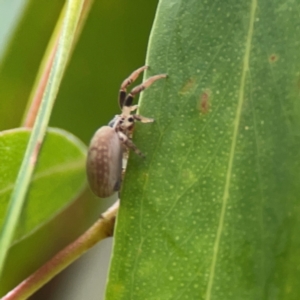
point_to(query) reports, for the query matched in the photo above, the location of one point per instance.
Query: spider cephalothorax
(125, 121)
(104, 160)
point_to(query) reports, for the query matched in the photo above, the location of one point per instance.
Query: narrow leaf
(40, 126)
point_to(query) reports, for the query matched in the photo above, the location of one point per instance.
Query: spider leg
(142, 119)
(132, 108)
(129, 144)
(133, 76)
(141, 87)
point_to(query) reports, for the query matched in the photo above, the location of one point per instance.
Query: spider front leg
(133, 76)
(143, 119)
(127, 142)
(141, 87)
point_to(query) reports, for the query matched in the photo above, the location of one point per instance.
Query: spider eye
(130, 119)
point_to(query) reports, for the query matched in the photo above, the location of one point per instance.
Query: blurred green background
(112, 44)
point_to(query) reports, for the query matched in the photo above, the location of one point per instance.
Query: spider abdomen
(104, 162)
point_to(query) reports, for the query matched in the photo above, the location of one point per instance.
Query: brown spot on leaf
(204, 101)
(273, 58)
(188, 85)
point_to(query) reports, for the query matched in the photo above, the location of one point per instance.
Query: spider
(105, 154)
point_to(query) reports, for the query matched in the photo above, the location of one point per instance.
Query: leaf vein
(58, 169)
(225, 197)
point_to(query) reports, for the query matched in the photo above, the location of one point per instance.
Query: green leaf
(58, 178)
(213, 210)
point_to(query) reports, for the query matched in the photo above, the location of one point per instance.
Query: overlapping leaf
(58, 179)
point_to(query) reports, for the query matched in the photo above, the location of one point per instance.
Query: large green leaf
(213, 210)
(58, 179)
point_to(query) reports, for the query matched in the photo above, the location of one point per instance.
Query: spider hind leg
(128, 143)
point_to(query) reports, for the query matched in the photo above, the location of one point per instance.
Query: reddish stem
(103, 228)
(37, 99)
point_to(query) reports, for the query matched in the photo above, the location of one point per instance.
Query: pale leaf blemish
(188, 85)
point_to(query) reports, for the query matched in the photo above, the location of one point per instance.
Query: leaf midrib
(62, 168)
(232, 150)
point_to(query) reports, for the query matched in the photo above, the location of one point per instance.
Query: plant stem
(102, 229)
